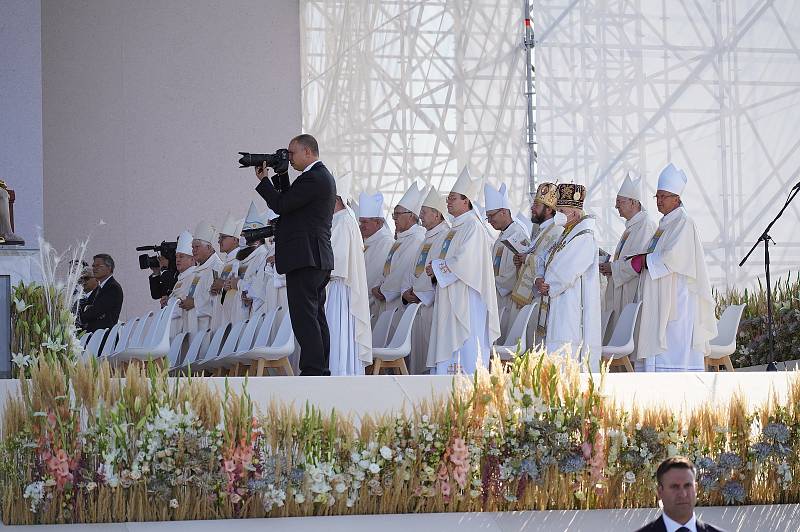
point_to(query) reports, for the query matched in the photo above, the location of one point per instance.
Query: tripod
(771, 366)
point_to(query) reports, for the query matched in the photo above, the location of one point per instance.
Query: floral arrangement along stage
(80, 445)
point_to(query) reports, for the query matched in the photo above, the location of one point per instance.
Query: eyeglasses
(396, 215)
(665, 196)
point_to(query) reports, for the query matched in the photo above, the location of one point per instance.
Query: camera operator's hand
(262, 171)
(216, 287)
(187, 303)
(156, 270)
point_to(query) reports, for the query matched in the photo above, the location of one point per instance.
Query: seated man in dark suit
(102, 312)
(677, 489)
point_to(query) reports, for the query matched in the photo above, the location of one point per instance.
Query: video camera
(278, 161)
(262, 233)
(165, 249)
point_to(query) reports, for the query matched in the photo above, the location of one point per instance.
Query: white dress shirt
(672, 526)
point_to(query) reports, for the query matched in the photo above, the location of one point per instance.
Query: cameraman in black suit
(303, 246)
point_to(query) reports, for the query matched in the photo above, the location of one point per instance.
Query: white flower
(22, 361)
(54, 346)
(173, 503)
(386, 453)
(299, 498)
(35, 492)
(20, 305)
(91, 486)
(136, 475)
(374, 468)
(629, 477)
(363, 464)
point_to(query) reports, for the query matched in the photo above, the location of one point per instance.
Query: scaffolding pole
(528, 42)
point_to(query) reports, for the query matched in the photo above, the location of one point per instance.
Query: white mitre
(231, 226)
(370, 205)
(672, 179)
(413, 198)
(184, 243)
(631, 188)
(467, 185)
(205, 232)
(496, 198)
(434, 200)
(254, 220)
(344, 184)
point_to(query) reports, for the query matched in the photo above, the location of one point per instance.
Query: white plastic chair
(176, 349)
(217, 338)
(138, 333)
(113, 338)
(227, 357)
(228, 346)
(85, 340)
(724, 345)
(517, 336)
(380, 332)
(157, 345)
(393, 355)
(276, 355)
(261, 338)
(196, 342)
(617, 352)
(93, 346)
(123, 336)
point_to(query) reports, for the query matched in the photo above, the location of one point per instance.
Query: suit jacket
(658, 526)
(102, 307)
(303, 231)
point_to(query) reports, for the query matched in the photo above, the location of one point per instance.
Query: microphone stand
(771, 366)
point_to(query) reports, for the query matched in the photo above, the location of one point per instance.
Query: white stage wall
(712, 86)
(146, 104)
(21, 111)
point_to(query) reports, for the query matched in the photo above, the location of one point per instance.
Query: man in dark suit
(104, 304)
(677, 489)
(303, 246)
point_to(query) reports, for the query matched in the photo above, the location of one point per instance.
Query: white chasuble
(465, 317)
(425, 290)
(524, 292)
(226, 302)
(623, 285)
(178, 323)
(677, 305)
(199, 318)
(400, 260)
(248, 273)
(573, 313)
(376, 249)
(505, 272)
(347, 304)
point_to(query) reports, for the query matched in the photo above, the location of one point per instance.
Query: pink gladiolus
(445, 488)
(586, 448)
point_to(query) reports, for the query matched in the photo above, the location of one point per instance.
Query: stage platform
(382, 394)
(773, 518)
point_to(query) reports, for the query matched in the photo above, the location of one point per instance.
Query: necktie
(683, 529)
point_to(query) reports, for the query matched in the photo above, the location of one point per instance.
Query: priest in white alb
(623, 281)
(225, 302)
(418, 287)
(378, 240)
(677, 305)
(184, 262)
(570, 284)
(465, 318)
(498, 214)
(403, 254)
(347, 304)
(252, 260)
(199, 303)
(551, 225)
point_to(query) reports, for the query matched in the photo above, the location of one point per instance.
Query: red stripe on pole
(528, 22)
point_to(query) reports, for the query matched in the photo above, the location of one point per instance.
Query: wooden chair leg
(287, 367)
(260, 368)
(626, 361)
(234, 370)
(707, 363)
(728, 364)
(403, 367)
(376, 366)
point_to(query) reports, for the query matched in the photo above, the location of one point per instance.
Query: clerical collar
(437, 229)
(677, 213)
(635, 218)
(408, 231)
(463, 216)
(375, 235)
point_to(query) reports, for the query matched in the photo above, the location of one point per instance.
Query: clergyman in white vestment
(402, 255)
(465, 321)
(570, 283)
(199, 303)
(418, 287)
(551, 225)
(498, 213)
(378, 240)
(184, 262)
(623, 281)
(225, 302)
(678, 318)
(347, 305)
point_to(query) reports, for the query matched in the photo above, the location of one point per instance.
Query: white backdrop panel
(712, 86)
